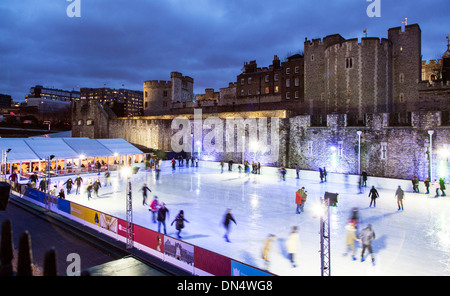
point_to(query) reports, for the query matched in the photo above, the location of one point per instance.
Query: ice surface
(412, 242)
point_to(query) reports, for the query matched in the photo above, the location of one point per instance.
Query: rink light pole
(359, 152)
(329, 199)
(430, 156)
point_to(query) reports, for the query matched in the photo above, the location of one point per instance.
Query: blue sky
(118, 42)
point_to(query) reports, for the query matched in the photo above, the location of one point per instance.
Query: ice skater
(442, 186)
(179, 225)
(108, 178)
(366, 236)
(162, 212)
(292, 244)
(300, 198)
(266, 250)
(373, 194)
(226, 223)
(351, 239)
(399, 194)
(68, 184)
(89, 189)
(144, 194)
(154, 206)
(78, 181)
(427, 185)
(96, 186)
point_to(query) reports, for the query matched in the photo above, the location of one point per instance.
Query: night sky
(124, 43)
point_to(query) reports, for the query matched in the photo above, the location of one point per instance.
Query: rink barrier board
(194, 259)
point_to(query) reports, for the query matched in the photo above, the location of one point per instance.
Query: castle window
(89, 122)
(275, 77)
(288, 70)
(288, 95)
(288, 82)
(165, 93)
(297, 81)
(249, 92)
(297, 94)
(275, 89)
(312, 57)
(242, 92)
(267, 90)
(401, 98)
(383, 151)
(339, 148)
(146, 94)
(402, 78)
(242, 81)
(266, 79)
(249, 80)
(297, 70)
(310, 148)
(349, 63)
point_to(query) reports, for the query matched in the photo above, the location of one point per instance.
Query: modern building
(124, 102)
(50, 100)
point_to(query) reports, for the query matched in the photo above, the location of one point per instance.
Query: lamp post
(5, 157)
(430, 158)
(359, 151)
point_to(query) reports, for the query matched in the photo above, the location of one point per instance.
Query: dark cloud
(119, 42)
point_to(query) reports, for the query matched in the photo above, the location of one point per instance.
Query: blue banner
(240, 269)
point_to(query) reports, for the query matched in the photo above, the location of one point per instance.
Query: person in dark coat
(69, 184)
(144, 194)
(78, 181)
(162, 211)
(179, 225)
(373, 194)
(226, 223)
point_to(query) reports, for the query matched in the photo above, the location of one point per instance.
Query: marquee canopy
(35, 149)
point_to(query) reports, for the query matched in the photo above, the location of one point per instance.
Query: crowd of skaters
(160, 212)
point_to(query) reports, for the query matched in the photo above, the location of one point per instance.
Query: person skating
(300, 197)
(179, 225)
(266, 250)
(89, 189)
(69, 183)
(96, 186)
(415, 182)
(292, 244)
(154, 206)
(366, 236)
(427, 185)
(351, 239)
(108, 178)
(61, 194)
(162, 212)
(373, 194)
(144, 194)
(442, 186)
(399, 194)
(78, 181)
(226, 223)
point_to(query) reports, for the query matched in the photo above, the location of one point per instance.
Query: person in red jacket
(154, 206)
(300, 197)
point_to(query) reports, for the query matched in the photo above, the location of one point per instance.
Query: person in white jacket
(292, 245)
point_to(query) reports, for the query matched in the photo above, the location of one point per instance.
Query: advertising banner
(179, 250)
(64, 205)
(85, 214)
(149, 238)
(212, 263)
(240, 269)
(36, 195)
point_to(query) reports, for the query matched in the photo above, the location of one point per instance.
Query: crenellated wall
(388, 148)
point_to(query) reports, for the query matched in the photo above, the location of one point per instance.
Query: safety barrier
(194, 259)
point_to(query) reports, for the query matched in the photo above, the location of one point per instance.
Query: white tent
(64, 155)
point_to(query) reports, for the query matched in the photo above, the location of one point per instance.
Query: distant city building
(49, 100)
(124, 102)
(5, 100)
(39, 91)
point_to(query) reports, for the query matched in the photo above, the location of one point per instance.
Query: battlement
(408, 29)
(157, 84)
(432, 62)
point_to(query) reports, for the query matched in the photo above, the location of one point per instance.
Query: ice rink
(412, 242)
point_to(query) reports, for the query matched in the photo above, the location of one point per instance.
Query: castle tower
(406, 66)
(446, 63)
(157, 96)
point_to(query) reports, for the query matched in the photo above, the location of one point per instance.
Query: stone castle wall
(386, 151)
